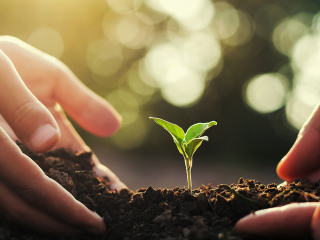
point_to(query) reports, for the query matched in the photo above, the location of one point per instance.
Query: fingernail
(42, 135)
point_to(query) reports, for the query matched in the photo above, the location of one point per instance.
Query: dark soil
(208, 213)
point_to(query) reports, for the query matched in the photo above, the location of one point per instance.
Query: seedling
(187, 143)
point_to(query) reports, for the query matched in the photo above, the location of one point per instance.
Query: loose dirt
(208, 212)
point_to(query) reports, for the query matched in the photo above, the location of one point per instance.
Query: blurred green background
(252, 65)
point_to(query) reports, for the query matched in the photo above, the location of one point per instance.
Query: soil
(207, 213)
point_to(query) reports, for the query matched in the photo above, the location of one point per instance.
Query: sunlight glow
(47, 40)
(124, 6)
(138, 85)
(126, 104)
(104, 57)
(184, 87)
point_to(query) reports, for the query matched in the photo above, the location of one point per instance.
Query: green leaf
(193, 145)
(176, 132)
(178, 146)
(197, 130)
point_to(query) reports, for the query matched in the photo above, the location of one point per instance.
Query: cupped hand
(298, 219)
(33, 86)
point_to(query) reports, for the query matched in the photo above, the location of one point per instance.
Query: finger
(292, 221)
(89, 110)
(29, 119)
(103, 171)
(7, 129)
(15, 209)
(42, 192)
(71, 139)
(313, 176)
(316, 223)
(303, 157)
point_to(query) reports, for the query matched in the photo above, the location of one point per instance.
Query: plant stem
(188, 168)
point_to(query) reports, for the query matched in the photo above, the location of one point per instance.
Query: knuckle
(30, 195)
(73, 213)
(24, 112)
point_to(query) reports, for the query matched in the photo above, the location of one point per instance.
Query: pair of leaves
(187, 143)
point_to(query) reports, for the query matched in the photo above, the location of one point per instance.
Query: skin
(294, 220)
(34, 87)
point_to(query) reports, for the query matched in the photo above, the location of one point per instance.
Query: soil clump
(207, 213)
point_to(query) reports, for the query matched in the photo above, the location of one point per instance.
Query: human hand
(39, 202)
(53, 84)
(294, 220)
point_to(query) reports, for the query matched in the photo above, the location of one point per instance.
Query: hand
(39, 202)
(294, 220)
(49, 84)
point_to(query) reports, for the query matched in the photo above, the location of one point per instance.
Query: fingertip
(98, 227)
(97, 231)
(281, 170)
(111, 127)
(243, 222)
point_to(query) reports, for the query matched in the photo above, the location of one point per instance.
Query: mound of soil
(207, 213)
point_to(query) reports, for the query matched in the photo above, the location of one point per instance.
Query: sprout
(187, 143)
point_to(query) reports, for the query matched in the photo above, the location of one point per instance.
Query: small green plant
(187, 143)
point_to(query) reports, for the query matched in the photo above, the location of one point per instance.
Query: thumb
(32, 122)
(291, 221)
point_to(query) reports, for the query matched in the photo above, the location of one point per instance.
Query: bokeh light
(286, 33)
(201, 51)
(136, 83)
(127, 30)
(297, 112)
(183, 87)
(226, 21)
(145, 53)
(126, 103)
(266, 92)
(104, 57)
(47, 40)
(244, 32)
(131, 136)
(183, 10)
(306, 92)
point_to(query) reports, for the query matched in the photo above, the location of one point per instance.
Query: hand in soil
(32, 84)
(301, 161)
(30, 198)
(44, 83)
(291, 221)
